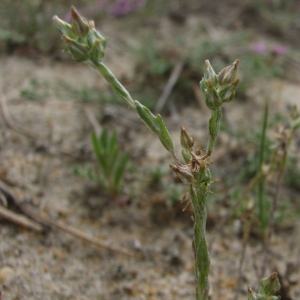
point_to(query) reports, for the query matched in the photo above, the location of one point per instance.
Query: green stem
(115, 83)
(214, 128)
(261, 184)
(154, 123)
(202, 260)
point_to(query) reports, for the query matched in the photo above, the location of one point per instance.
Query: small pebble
(6, 274)
(137, 245)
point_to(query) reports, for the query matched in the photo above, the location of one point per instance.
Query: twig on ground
(3, 200)
(169, 86)
(73, 231)
(9, 195)
(19, 220)
(46, 221)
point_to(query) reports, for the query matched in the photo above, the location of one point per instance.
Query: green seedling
(272, 163)
(111, 163)
(86, 44)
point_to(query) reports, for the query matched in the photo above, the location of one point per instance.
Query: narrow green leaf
(164, 135)
(104, 139)
(113, 142)
(112, 152)
(96, 145)
(262, 204)
(148, 118)
(112, 160)
(156, 125)
(99, 153)
(120, 168)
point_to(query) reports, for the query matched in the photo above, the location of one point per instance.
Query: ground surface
(56, 265)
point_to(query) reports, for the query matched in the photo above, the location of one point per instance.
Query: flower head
(220, 88)
(83, 40)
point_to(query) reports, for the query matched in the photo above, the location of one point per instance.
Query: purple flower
(260, 48)
(123, 7)
(279, 50)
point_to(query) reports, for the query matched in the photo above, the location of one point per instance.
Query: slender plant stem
(202, 260)
(214, 128)
(115, 83)
(274, 204)
(261, 184)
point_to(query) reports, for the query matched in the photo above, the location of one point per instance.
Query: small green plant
(111, 163)
(86, 44)
(273, 160)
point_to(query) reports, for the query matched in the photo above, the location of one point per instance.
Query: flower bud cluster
(83, 41)
(268, 287)
(219, 88)
(196, 172)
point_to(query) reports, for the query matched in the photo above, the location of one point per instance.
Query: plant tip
(80, 25)
(273, 276)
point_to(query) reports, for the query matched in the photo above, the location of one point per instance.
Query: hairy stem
(202, 260)
(214, 128)
(115, 83)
